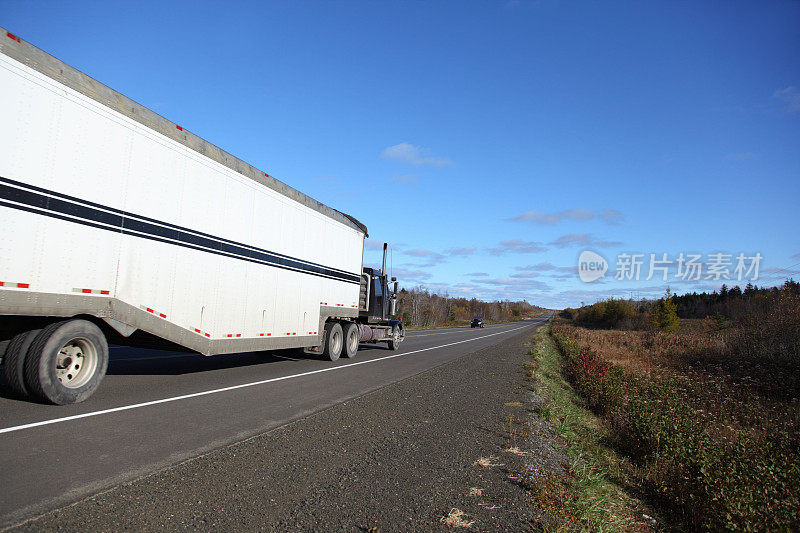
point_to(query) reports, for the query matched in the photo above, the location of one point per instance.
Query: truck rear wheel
(14, 361)
(351, 338)
(334, 339)
(397, 337)
(66, 362)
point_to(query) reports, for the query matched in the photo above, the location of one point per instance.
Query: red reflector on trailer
(162, 315)
(12, 36)
(15, 285)
(179, 128)
(208, 335)
(87, 291)
(104, 292)
(197, 330)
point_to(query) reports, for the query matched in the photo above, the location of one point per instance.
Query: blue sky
(489, 142)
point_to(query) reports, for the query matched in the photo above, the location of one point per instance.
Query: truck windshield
(378, 288)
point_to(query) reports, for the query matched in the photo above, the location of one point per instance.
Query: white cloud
(582, 239)
(517, 246)
(525, 275)
(404, 274)
(610, 216)
(544, 267)
(515, 283)
(575, 297)
(414, 155)
(421, 252)
(373, 244)
(460, 251)
(432, 258)
(773, 274)
(790, 96)
(478, 274)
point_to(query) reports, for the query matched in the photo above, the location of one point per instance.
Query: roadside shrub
(598, 381)
(665, 316)
(773, 330)
(606, 314)
(635, 322)
(740, 480)
(725, 456)
(567, 313)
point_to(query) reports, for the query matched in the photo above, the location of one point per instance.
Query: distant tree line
(419, 307)
(727, 305)
(730, 302)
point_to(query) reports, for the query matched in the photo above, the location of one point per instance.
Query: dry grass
(487, 462)
(475, 491)
(515, 451)
(642, 352)
(513, 404)
(489, 506)
(456, 518)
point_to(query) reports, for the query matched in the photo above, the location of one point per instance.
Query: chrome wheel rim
(352, 341)
(336, 342)
(76, 363)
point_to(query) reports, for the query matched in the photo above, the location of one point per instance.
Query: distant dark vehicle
(476, 323)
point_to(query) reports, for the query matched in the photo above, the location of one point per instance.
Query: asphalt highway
(156, 408)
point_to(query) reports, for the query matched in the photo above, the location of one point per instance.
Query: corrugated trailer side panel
(171, 241)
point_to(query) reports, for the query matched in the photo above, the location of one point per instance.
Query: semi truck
(120, 226)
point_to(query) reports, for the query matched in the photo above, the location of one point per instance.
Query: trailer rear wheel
(66, 362)
(334, 339)
(14, 361)
(351, 338)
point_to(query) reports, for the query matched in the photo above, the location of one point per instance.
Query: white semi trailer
(119, 225)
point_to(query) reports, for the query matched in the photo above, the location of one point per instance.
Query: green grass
(593, 496)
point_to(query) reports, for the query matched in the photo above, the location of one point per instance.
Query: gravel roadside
(398, 459)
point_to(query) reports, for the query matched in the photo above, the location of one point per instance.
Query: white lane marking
(234, 387)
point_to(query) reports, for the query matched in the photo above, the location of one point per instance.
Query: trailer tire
(14, 362)
(351, 338)
(66, 362)
(334, 339)
(397, 337)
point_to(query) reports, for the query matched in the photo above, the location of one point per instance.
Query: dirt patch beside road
(434, 451)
